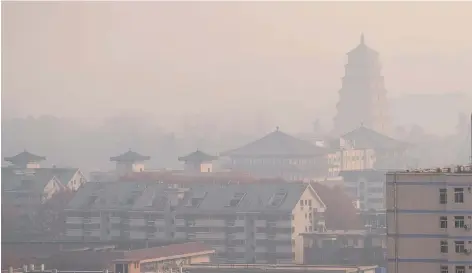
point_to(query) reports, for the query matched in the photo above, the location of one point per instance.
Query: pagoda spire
(362, 38)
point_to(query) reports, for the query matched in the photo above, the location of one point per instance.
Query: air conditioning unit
(467, 227)
(467, 251)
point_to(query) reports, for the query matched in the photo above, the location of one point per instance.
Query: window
(293, 229)
(459, 195)
(459, 221)
(306, 202)
(309, 203)
(301, 203)
(443, 221)
(442, 196)
(460, 269)
(459, 246)
(444, 269)
(444, 246)
(293, 217)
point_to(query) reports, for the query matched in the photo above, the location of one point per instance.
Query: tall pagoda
(25, 160)
(129, 162)
(362, 98)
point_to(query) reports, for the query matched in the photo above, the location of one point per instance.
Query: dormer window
(236, 200)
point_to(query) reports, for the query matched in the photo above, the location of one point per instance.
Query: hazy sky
(171, 58)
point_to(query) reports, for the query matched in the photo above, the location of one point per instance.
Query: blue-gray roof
(154, 196)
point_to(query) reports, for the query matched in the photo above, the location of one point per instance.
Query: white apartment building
(244, 223)
(429, 218)
(367, 187)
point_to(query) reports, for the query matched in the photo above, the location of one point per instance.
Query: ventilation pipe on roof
(10, 269)
(31, 267)
(42, 267)
(25, 268)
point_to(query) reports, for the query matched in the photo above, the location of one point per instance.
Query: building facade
(362, 98)
(244, 223)
(429, 218)
(280, 155)
(129, 162)
(366, 186)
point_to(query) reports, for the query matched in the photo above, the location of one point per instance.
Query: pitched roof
(64, 175)
(24, 157)
(365, 138)
(277, 143)
(197, 156)
(154, 196)
(163, 252)
(340, 213)
(130, 156)
(248, 197)
(13, 180)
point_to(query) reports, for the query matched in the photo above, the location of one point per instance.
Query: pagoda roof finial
(362, 38)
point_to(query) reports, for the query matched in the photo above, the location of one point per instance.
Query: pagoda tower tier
(362, 97)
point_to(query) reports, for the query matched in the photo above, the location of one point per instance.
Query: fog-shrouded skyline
(174, 59)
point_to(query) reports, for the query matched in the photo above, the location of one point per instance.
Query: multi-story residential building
(245, 223)
(280, 155)
(25, 189)
(129, 162)
(429, 218)
(367, 186)
(198, 162)
(345, 247)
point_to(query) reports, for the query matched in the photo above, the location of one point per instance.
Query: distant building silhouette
(362, 98)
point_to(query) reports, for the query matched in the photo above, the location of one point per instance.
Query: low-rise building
(429, 220)
(243, 222)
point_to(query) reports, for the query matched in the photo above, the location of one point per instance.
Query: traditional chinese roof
(130, 156)
(277, 144)
(198, 156)
(365, 138)
(24, 158)
(362, 48)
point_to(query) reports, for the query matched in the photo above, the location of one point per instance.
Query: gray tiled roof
(64, 175)
(197, 156)
(130, 156)
(365, 138)
(24, 157)
(118, 195)
(115, 195)
(12, 180)
(277, 143)
(256, 197)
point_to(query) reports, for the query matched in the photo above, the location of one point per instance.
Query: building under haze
(280, 155)
(429, 218)
(362, 98)
(244, 223)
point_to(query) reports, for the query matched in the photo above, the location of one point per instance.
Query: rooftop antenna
(362, 38)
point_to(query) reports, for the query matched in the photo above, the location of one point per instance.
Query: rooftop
(145, 196)
(277, 144)
(455, 170)
(14, 180)
(279, 268)
(130, 156)
(365, 138)
(24, 158)
(198, 156)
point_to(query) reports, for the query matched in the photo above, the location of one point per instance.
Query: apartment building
(244, 223)
(367, 186)
(429, 218)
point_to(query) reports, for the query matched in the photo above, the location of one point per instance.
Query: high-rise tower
(362, 98)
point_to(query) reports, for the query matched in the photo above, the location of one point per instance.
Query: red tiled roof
(340, 213)
(166, 251)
